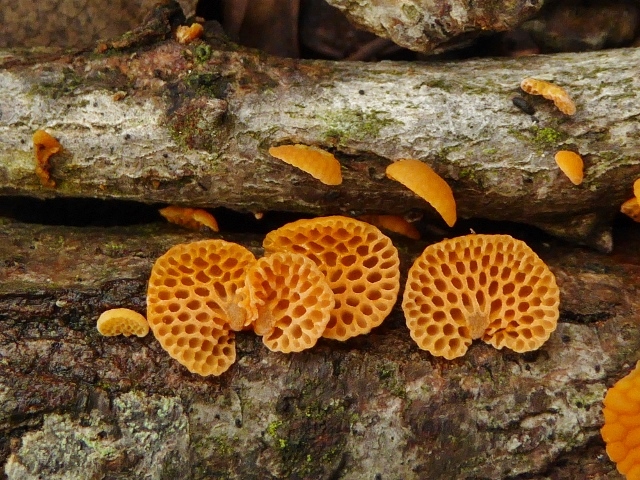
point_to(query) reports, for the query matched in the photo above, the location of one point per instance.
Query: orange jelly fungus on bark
(550, 91)
(314, 161)
(571, 165)
(393, 223)
(621, 430)
(424, 182)
(44, 145)
(192, 218)
(636, 189)
(186, 34)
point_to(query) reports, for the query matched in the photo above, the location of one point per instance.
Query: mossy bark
(73, 402)
(151, 120)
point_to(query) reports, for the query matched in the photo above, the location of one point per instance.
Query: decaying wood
(77, 404)
(196, 122)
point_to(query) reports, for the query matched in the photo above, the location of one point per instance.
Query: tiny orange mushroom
(316, 162)
(423, 181)
(636, 189)
(631, 208)
(548, 90)
(44, 145)
(185, 34)
(393, 223)
(621, 430)
(192, 218)
(571, 165)
(122, 321)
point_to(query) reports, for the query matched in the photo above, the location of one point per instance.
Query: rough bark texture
(437, 25)
(197, 121)
(74, 404)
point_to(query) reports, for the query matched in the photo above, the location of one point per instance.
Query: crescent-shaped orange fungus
(571, 165)
(636, 189)
(44, 145)
(631, 208)
(192, 218)
(393, 223)
(423, 181)
(122, 321)
(312, 160)
(550, 91)
(621, 430)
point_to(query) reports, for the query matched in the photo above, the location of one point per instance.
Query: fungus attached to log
(195, 300)
(636, 189)
(192, 218)
(492, 287)
(44, 145)
(571, 165)
(185, 34)
(631, 208)
(359, 262)
(393, 223)
(621, 430)
(550, 91)
(424, 182)
(122, 321)
(292, 299)
(314, 161)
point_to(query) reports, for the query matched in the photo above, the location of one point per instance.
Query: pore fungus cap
(192, 218)
(122, 321)
(292, 299)
(550, 91)
(621, 430)
(316, 162)
(571, 165)
(424, 182)
(359, 262)
(492, 287)
(195, 300)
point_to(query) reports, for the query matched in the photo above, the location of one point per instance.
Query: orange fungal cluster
(492, 287)
(621, 430)
(550, 91)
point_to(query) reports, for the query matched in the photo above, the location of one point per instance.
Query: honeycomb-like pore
(122, 321)
(359, 262)
(550, 91)
(195, 299)
(492, 287)
(293, 301)
(631, 208)
(621, 430)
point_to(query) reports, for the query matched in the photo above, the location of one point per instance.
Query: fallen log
(78, 404)
(147, 119)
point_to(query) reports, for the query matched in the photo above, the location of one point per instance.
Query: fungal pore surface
(122, 321)
(621, 430)
(492, 287)
(195, 301)
(292, 299)
(360, 264)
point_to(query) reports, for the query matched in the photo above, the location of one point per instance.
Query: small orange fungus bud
(423, 181)
(621, 430)
(192, 218)
(571, 165)
(44, 145)
(393, 223)
(122, 321)
(636, 189)
(186, 34)
(631, 208)
(315, 161)
(550, 91)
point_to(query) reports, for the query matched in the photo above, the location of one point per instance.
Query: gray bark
(197, 121)
(74, 404)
